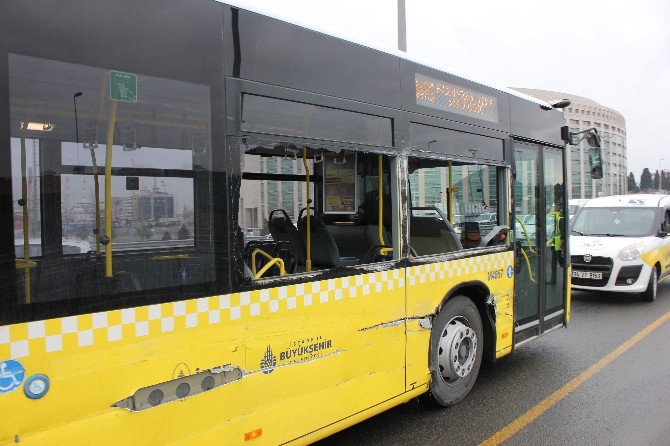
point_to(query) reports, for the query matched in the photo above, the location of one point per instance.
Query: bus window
(314, 208)
(454, 206)
(111, 183)
(158, 214)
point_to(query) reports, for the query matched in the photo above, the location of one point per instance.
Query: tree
(632, 184)
(645, 180)
(144, 232)
(183, 233)
(665, 180)
(657, 180)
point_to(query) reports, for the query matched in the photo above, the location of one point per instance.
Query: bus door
(539, 240)
(554, 241)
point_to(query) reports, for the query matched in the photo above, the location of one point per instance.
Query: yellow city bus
(218, 227)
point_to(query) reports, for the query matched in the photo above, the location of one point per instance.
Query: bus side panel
(428, 285)
(275, 53)
(311, 355)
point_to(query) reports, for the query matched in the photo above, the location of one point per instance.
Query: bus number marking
(495, 274)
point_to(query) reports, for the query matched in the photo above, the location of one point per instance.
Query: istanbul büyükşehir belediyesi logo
(269, 361)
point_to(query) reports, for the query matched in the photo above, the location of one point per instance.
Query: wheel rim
(457, 350)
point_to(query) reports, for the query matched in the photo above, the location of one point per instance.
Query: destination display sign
(448, 97)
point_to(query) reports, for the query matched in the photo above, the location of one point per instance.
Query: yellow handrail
(272, 261)
(26, 226)
(382, 251)
(253, 258)
(308, 237)
(450, 191)
(108, 190)
(381, 201)
(530, 271)
(525, 231)
(171, 257)
(530, 247)
(268, 265)
(23, 264)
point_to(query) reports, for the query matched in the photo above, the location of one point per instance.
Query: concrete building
(259, 197)
(583, 114)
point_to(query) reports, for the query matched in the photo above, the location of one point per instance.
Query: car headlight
(631, 252)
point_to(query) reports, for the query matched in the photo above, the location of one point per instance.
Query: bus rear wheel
(456, 346)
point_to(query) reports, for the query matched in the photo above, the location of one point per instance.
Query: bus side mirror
(593, 140)
(595, 154)
(665, 229)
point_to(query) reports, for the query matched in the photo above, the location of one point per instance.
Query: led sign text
(452, 98)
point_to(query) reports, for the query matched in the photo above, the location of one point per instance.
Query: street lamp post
(402, 26)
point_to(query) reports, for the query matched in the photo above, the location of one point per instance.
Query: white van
(621, 244)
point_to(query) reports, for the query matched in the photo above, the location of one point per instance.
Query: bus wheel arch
(478, 292)
(457, 342)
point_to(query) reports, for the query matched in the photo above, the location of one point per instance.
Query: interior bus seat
(471, 235)
(496, 236)
(324, 250)
(60, 277)
(350, 239)
(372, 238)
(432, 235)
(354, 241)
(283, 230)
(368, 211)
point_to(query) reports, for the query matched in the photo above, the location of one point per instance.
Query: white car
(575, 205)
(621, 244)
(487, 218)
(70, 246)
(525, 228)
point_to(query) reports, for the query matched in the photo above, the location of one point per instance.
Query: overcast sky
(616, 53)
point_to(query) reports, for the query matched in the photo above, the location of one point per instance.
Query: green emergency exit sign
(122, 86)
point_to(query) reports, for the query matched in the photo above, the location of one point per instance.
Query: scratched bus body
(284, 227)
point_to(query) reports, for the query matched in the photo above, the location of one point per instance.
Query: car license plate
(587, 275)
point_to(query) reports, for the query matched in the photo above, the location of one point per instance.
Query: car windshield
(614, 222)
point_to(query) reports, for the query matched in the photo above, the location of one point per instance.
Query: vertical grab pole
(381, 201)
(96, 181)
(450, 191)
(308, 237)
(96, 186)
(108, 191)
(26, 225)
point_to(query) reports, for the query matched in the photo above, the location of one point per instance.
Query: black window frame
(192, 26)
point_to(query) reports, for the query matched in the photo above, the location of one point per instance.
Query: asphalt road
(627, 402)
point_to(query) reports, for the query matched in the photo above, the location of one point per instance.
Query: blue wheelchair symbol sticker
(36, 386)
(11, 375)
(510, 271)
(183, 275)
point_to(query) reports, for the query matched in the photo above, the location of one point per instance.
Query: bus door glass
(554, 246)
(526, 237)
(539, 294)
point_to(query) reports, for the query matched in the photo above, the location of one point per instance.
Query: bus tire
(649, 294)
(456, 350)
